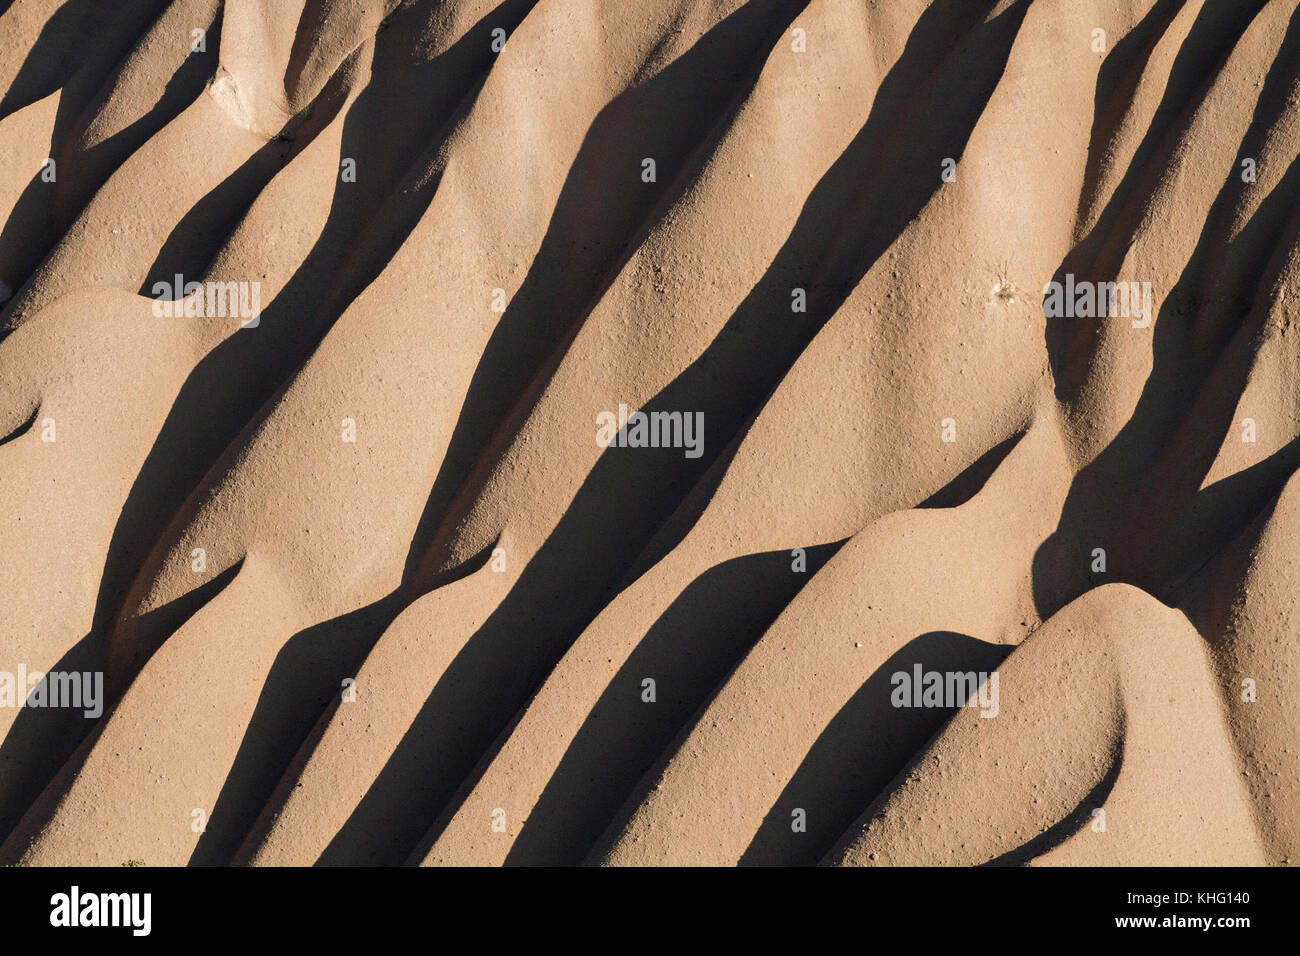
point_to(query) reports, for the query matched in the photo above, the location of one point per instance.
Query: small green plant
(134, 863)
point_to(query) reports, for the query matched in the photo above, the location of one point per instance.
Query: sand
(367, 581)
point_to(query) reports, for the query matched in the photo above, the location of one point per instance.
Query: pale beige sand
(366, 589)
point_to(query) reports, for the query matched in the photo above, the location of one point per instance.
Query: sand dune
(968, 327)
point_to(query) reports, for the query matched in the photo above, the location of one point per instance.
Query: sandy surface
(365, 583)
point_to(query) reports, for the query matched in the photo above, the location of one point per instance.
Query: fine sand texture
(642, 432)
